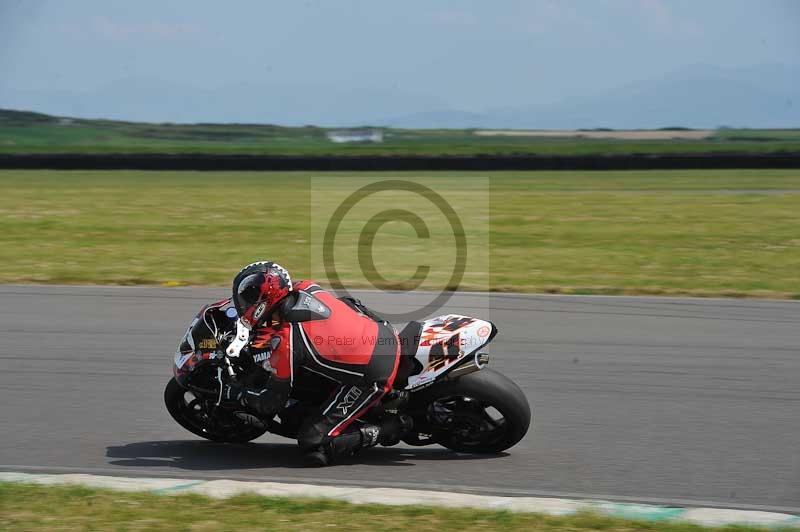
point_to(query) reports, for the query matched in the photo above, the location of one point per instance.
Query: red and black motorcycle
(453, 398)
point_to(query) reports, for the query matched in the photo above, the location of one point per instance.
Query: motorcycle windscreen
(199, 343)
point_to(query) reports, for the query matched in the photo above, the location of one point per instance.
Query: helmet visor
(248, 293)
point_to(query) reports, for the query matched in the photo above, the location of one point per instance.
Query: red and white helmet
(257, 288)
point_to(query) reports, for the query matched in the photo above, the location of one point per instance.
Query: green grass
(703, 233)
(36, 133)
(763, 135)
(35, 508)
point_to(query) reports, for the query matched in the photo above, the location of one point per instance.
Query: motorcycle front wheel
(199, 417)
(481, 412)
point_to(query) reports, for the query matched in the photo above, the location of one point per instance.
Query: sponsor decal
(483, 331)
(310, 302)
(349, 400)
(208, 343)
(261, 357)
(259, 310)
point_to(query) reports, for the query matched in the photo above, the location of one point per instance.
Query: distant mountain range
(699, 96)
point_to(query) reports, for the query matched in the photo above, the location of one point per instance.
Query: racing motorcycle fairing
(446, 342)
(199, 343)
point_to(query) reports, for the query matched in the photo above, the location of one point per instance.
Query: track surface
(643, 399)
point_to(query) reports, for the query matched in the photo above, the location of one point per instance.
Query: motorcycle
(442, 383)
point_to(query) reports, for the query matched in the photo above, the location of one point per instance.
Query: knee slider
(312, 436)
(347, 443)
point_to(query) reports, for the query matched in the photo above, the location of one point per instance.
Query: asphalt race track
(644, 399)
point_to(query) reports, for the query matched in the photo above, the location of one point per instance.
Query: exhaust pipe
(479, 361)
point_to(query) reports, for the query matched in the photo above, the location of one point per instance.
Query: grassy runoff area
(32, 508)
(27, 132)
(704, 233)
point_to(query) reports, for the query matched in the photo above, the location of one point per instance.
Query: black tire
(181, 411)
(486, 388)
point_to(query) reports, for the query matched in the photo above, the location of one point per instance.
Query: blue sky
(466, 55)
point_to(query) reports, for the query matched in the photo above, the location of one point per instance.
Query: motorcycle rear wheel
(191, 413)
(482, 412)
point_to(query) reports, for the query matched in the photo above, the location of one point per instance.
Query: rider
(351, 346)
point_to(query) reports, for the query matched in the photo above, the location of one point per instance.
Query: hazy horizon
(505, 64)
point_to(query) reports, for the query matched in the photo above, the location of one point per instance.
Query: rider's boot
(393, 428)
(389, 432)
(344, 444)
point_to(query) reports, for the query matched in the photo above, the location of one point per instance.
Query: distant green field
(730, 233)
(36, 133)
(760, 135)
